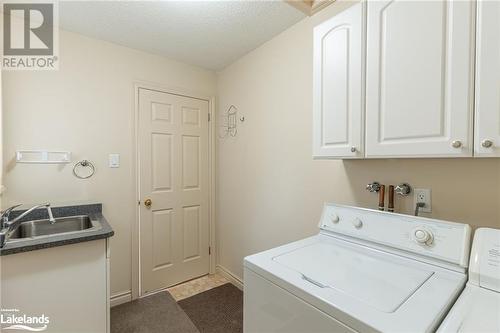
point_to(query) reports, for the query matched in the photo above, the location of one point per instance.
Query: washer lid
(384, 280)
(378, 282)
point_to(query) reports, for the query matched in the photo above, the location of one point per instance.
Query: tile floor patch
(196, 286)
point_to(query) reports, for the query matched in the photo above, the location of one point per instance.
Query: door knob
(456, 144)
(487, 143)
(148, 203)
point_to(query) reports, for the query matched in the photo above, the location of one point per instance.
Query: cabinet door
(338, 85)
(419, 92)
(488, 80)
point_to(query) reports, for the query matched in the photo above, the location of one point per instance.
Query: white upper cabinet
(419, 78)
(487, 130)
(338, 85)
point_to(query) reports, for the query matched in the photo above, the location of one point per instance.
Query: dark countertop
(94, 211)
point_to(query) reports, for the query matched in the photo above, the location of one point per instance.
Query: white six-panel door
(338, 85)
(487, 129)
(419, 89)
(173, 175)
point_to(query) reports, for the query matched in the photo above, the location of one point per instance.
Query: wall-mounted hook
(229, 122)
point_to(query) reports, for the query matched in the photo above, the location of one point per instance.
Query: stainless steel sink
(62, 225)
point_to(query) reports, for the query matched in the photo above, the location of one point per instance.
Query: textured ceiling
(209, 34)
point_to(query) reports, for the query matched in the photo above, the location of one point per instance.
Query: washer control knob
(423, 236)
(357, 223)
(334, 218)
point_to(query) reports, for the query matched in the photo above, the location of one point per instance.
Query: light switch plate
(114, 160)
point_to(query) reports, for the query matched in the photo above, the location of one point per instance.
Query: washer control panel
(438, 239)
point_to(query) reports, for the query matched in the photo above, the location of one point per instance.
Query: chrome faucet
(7, 226)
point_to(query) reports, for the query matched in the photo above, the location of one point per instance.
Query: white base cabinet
(68, 284)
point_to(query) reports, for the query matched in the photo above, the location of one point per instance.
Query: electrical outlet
(423, 195)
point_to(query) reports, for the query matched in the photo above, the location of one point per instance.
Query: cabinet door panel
(419, 82)
(488, 80)
(338, 85)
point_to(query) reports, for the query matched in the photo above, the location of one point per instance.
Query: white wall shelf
(43, 157)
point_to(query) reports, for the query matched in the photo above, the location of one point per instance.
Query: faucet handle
(373, 187)
(4, 214)
(403, 189)
(4, 227)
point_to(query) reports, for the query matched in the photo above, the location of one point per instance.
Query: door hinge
(209, 116)
(209, 250)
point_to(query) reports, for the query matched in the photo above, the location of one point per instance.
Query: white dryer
(477, 310)
(365, 271)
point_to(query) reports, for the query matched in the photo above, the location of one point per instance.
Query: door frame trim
(136, 288)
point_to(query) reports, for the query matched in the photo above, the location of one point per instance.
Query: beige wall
(87, 108)
(270, 191)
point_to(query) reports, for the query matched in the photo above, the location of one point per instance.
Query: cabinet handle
(148, 203)
(456, 144)
(487, 143)
(353, 149)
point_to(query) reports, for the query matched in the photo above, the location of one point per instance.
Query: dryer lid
(484, 267)
(476, 310)
(483, 315)
(374, 278)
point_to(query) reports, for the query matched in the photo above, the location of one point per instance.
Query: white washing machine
(365, 271)
(478, 307)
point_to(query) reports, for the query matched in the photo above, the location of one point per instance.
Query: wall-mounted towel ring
(84, 164)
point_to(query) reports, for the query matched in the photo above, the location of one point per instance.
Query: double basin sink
(61, 226)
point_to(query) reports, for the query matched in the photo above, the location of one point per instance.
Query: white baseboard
(120, 298)
(233, 278)
(126, 296)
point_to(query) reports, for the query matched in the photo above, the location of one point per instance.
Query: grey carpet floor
(218, 310)
(157, 313)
